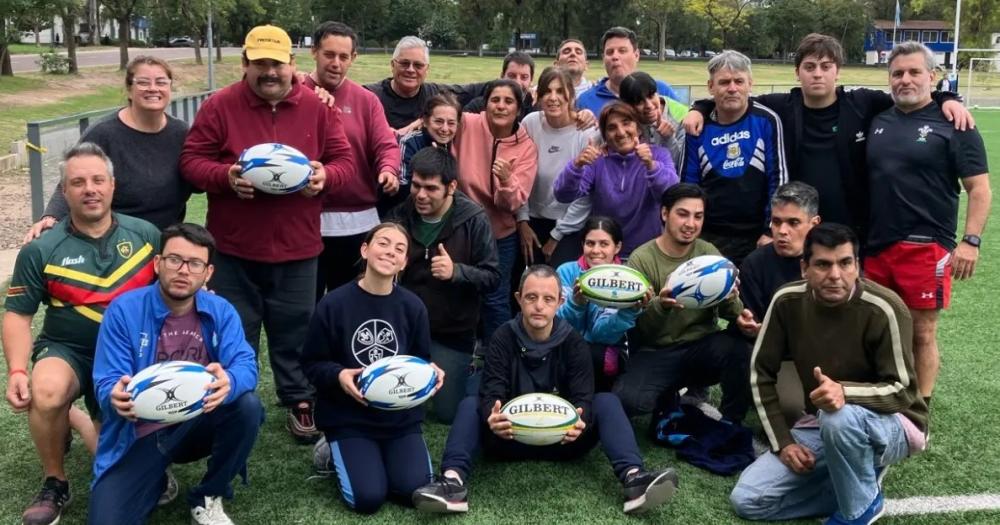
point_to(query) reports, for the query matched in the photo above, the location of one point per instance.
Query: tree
(69, 11)
(661, 12)
(724, 14)
(121, 11)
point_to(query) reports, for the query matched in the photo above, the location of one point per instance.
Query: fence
(50, 138)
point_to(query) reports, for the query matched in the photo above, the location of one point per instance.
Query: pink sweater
(476, 149)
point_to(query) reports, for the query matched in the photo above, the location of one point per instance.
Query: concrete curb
(7, 258)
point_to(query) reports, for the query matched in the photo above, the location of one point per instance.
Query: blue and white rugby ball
(397, 382)
(275, 168)
(169, 392)
(702, 282)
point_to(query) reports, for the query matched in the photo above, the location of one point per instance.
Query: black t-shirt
(915, 161)
(761, 274)
(818, 163)
(401, 111)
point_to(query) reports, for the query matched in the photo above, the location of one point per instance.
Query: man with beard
(676, 347)
(173, 320)
(917, 161)
(268, 245)
(76, 268)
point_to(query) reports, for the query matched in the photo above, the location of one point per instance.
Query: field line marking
(940, 504)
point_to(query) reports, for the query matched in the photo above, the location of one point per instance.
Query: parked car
(646, 52)
(669, 51)
(181, 41)
(710, 54)
(687, 53)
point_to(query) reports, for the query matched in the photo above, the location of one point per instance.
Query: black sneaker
(646, 490)
(47, 507)
(444, 494)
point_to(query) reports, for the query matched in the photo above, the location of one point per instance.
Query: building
(938, 35)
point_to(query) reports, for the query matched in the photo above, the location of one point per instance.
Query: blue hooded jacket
(597, 324)
(127, 344)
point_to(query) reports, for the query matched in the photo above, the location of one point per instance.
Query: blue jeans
(127, 493)
(459, 381)
(849, 445)
(496, 304)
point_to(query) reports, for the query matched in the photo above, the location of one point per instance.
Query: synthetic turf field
(964, 458)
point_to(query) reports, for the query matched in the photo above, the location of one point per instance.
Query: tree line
(759, 28)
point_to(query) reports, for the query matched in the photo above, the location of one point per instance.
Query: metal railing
(48, 139)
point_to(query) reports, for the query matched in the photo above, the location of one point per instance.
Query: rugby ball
(275, 168)
(702, 282)
(397, 382)
(540, 419)
(613, 285)
(169, 392)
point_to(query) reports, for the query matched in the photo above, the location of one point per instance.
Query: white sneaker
(211, 514)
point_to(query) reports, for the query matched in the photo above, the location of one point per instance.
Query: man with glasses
(268, 245)
(173, 320)
(76, 268)
(404, 94)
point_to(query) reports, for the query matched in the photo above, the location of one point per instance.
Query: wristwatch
(972, 240)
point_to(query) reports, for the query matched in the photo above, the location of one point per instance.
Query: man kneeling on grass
(174, 319)
(538, 352)
(851, 342)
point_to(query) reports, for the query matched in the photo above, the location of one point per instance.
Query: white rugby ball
(169, 392)
(613, 285)
(275, 168)
(540, 419)
(397, 382)
(702, 282)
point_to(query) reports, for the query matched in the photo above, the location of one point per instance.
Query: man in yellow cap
(268, 244)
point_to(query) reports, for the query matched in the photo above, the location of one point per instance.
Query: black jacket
(857, 109)
(401, 111)
(515, 365)
(453, 305)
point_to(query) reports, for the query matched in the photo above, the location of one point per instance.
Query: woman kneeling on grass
(375, 453)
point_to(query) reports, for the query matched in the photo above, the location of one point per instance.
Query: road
(109, 57)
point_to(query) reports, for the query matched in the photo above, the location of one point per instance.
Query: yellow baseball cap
(268, 41)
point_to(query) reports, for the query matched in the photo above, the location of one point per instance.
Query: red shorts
(920, 272)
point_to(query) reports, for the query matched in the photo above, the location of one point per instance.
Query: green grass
(964, 457)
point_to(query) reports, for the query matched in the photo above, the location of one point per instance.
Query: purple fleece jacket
(622, 188)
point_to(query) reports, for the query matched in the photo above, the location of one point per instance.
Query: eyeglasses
(195, 266)
(407, 64)
(145, 83)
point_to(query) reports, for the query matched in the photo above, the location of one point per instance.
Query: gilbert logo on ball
(614, 285)
(397, 382)
(540, 419)
(275, 168)
(169, 392)
(702, 282)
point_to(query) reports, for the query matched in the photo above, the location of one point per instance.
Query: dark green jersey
(77, 276)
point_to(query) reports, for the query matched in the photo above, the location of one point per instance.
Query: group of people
(426, 201)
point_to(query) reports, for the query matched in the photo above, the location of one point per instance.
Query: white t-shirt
(557, 147)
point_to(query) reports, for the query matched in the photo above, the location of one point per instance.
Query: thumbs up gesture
(646, 156)
(829, 395)
(442, 266)
(588, 155)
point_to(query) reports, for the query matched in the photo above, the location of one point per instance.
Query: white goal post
(982, 89)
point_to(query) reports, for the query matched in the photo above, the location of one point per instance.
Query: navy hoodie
(352, 328)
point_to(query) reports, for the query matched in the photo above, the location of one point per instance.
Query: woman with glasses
(144, 144)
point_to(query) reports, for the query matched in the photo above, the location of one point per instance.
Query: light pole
(211, 64)
(954, 52)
